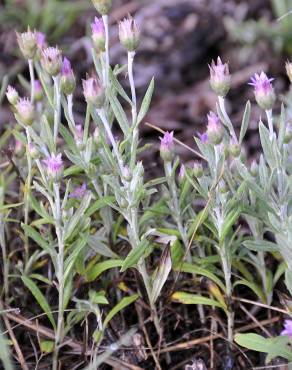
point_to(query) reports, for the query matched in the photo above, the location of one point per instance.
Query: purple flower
(166, 142)
(220, 79)
(40, 40)
(27, 43)
(25, 111)
(93, 91)
(182, 172)
(287, 328)
(52, 60)
(12, 95)
(214, 128)
(203, 137)
(129, 33)
(79, 192)
(98, 34)
(68, 82)
(66, 69)
(263, 90)
(54, 166)
(38, 90)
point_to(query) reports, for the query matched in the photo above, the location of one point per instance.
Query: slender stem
(269, 114)
(131, 56)
(32, 80)
(221, 101)
(4, 254)
(57, 106)
(107, 64)
(112, 140)
(60, 275)
(70, 111)
(27, 191)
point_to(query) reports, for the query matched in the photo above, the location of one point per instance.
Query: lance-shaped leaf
(161, 274)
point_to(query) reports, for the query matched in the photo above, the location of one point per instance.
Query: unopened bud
(198, 169)
(182, 174)
(51, 60)
(129, 34)
(25, 111)
(27, 43)
(234, 148)
(32, 150)
(167, 146)
(68, 82)
(19, 149)
(38, 91)
(263, 90)
(102, 6)
(214, 129)
(12, 95)
(254, 168)
(220, 79)
(98, 34)
(79, 137)
(127, 175)
(93, 92)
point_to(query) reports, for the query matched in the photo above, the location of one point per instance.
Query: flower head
(234, 147)
(166, 146)
(98, 34)
(68, 82)
(27, 43)
(12, 95)
(25, 111)
(198, 169)
(214, 128)
(263, 90)
(203, 137)
(52, 60)
(40, 40)
(181, 174)
(102, 6)
(54, 166)
(93, 92)
(287, 328)
(220, 79)
(79, 192)
(129, 33)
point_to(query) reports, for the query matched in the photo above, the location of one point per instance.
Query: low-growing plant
(86, 216)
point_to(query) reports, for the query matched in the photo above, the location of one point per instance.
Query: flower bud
(234, 148)
(129, 34)
(32, 150)
(254, 168)
(198, 169)
(79, 192)
(181, 174)
(19, 149)
(220, 79)
(263, 90)
(289, 70)
(127, 175)
(98, 34)
(40, 40)
(54, 167)
(215, 129)
(93, 92)
(38, 90)
(27, 43)
(51, 60)
(102, 6)
(288, 134)
(25, 111)
(78, 136)
(167, 146)
(12, 95)
(68, 82)
(203, 137)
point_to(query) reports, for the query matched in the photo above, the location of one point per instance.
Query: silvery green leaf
(161, 276)
(119, 88)
(119, 113)
(72, 223)
(282, 127)
(267, 145)
(88, 151)
(146, 102)
(208, 152)
(97, 63)
(47, 88)
(135, 254)
(75, 159)
(225, 119)
(47, 132)
(245, 122)
(260, 245)
(72, 257)
(100, 247)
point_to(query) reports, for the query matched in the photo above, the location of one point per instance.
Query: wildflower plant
(91, 218)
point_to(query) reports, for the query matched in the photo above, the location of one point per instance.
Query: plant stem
(4, 253)
(32, 80)
(26, 192)
(269, 114)
(107, 64)
(70, 111)
(221, 101)
(175, 206)
(60, 275)
(131, 56)
(57, 106)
